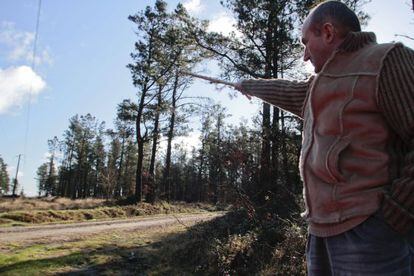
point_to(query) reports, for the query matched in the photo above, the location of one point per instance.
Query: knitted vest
(344, 161)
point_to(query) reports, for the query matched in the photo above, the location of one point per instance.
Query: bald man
(357, 159)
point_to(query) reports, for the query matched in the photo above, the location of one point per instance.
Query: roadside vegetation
(36, 211)
(235, 244)
(52, 203)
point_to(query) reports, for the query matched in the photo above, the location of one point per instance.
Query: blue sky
(83, 48)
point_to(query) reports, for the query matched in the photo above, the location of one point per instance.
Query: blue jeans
(371, 248)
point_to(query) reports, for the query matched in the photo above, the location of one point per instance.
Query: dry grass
(51, 203)
(32, 216)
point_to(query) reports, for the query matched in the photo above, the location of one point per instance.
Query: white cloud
(19, 45)
(17, 84)
(193, 6)
(224, 24)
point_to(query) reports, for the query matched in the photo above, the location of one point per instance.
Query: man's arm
(396, 98)
(288, 95)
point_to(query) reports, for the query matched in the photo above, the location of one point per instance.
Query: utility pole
(15, 178)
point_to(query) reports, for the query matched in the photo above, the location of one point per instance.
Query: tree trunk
(274, 52)
(69, 187)
(199, 182)
(170, 135)
(266, 130)
(126, 177)
(95, 187)
(275, 145)
(284, 151)
(265, 154)
(49, 177)
(155, 135)
(140, 144)
(217, 191)
(138, 174)
(118, 191)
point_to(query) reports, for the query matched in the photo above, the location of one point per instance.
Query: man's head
(325, 29)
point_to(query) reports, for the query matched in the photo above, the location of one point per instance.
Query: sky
(82, 51)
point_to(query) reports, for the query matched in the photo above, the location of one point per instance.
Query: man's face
(317, 50)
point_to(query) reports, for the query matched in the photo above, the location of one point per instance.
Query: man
(357, 160)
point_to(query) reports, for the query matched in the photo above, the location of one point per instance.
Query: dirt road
(57, 232)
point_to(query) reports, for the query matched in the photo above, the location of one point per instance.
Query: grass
(17, 218)
(119, 253)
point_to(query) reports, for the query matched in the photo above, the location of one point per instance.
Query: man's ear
(328, 32)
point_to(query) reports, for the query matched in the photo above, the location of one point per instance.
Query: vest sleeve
(288, 95)
(396, 99)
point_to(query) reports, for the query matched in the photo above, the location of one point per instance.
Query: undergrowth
(236, 245)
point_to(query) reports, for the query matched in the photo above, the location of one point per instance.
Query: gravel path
(69, 231)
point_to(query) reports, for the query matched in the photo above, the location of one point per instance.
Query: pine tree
(50, 186)
(42, 176)
(4, 178)
(161, 52)
(145, 70)
(77, 174)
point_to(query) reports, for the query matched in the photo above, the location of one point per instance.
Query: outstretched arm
(288, 95)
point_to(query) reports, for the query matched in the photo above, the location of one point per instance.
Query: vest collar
(357, 40)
